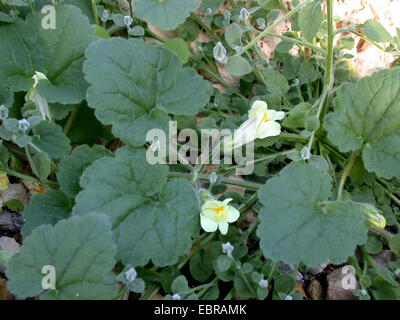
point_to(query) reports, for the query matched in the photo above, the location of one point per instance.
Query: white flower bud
(131, 274)
(105, 16)
(244, 14)
(227, 248)
(128, 21)
(220, 53)
(176, 297)
(213, 177)
(305, 153)
(209, 11)
(23, 125)
(3, 112)
(263, 283)
(363, 292)
(288, 297)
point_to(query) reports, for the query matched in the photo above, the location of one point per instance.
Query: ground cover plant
(82, 83)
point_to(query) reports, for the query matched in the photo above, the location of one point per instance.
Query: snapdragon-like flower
(34, 96)
(262, 123)
(217, 214)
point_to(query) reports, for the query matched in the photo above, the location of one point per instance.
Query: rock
(319, 268)
(341, 283)
(9, 245)
(315, 290)
(10, 223)
(4, 293)
(383, 258)
(15, 191)
(299, 288)
(289, 269)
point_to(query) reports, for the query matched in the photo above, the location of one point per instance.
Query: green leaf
(238, 66)
(82, 252)
(307, 73)
(166, 15)
(212, 4)
(367, 116)
(298, 115)
(394, 244)
(26, 47)
(14, 205)
(49, 138)
(180, 284)
(373, 245)
(189, 31)
(223, 263)
(201, 266)
(233, 36)
(375, 31)
(72, 166)
(180, 48)
(140, 204)
(6, 97)
(46, 208)
(276, 83)
(296, 228)
(241, 287)
(42, 163)
(138, 84)
(310, 19)
(21, 3)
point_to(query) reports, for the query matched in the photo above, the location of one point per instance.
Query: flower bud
(3, 112)
(131, 275)
(23, 125)
(105, 16)
(373, 215)
(227, 248)
(128, 21)
(263, 283)
(244, 14)
(220, 53)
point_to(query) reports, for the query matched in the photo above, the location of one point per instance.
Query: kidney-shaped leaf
(26, 47)
(295, 227)
(367, 116)
(82, 252)
(165, 14)
(135, 84)
(151, 219)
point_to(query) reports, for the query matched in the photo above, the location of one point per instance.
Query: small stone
(315, 290)
(319, 268)
(4, 293)
(15, 191)
(9, 245)
(341, 284)
(383, 258)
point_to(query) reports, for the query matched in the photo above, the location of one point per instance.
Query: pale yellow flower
(261, 124)
(218, 214)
